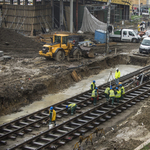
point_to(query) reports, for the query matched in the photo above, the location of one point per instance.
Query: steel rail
(132, 95)
(45, 116)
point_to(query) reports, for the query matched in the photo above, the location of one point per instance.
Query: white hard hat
(117, 69)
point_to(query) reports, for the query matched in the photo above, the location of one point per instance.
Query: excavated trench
(13, 96)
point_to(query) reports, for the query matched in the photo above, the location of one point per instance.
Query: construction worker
(93, 85)
(139, 28)
(122, 90)
(107, 93)
(52, 116)
(94, 96)
(117, 94)
(71, 108)
(112, 95)
(117, 76)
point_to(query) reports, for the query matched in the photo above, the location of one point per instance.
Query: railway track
(72, 128)
(25, 124)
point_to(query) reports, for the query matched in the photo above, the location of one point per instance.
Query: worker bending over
(52, 116)
(118, 94)
(107, 93)
(112, 95)
(71, 108)
(122, 90)
(93, 85)
(94, 96)
(117, 76)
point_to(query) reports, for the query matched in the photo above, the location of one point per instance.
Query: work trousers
(73, 110)
(94, 100)
(50, 121)
(117, 100)
(112, 100)
(107, 97)
(117, 81)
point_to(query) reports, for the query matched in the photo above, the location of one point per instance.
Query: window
(124, 32)
(57, 39)
(131, 33)
(64, 40)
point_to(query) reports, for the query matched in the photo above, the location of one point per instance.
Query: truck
(126, 35)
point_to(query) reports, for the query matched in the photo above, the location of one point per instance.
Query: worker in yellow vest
(93, 85)
(139, 28)
(71, 108)
(94, 96)
(117, 76)
(122, 90)
(112, 95)
(52, 116)
(117, 94)
(107, 93)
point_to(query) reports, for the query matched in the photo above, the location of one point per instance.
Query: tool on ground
(88, 138)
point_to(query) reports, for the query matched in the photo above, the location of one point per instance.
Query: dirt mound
(17, 45)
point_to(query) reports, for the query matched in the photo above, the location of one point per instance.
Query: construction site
(50, 53)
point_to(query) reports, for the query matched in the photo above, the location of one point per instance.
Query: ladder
(18, 23)
(12, 22)
(21, 24)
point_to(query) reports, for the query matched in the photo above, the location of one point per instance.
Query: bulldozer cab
(61, 39)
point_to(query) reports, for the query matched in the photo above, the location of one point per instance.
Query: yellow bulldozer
(63, 45)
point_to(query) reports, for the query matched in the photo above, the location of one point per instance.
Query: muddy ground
(26, 77)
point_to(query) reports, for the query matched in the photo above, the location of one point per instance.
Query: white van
(145, 46)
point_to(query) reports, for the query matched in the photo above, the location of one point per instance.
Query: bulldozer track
(72, 128)
(24, 124)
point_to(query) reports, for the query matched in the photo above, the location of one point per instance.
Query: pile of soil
(17, 45)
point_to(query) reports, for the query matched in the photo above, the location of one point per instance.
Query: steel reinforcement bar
(22, 125)
(68, 130)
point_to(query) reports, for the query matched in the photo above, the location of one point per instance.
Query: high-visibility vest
(93, 86)
(111, 93)
(118, 95)
(72, 105)
(117, 74)
(53, 114)
(107, 90)
(123, 90)
(94, 93)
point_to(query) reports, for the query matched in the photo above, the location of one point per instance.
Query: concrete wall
(26, 18)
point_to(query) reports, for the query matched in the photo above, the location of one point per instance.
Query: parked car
(145, 46)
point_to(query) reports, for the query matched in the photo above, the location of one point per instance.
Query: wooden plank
(75, 76)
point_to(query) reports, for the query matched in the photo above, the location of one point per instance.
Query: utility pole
(71, 16)
(139, 8)
(108, 23)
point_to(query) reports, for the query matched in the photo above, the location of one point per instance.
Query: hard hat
(67, 106)
(51, 108)
(117, 69)
(96, 88)
(93, 81)
(116, 88)
(120, 84)
(111, 88)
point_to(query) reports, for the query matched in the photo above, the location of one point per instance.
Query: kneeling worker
(52, 116)
(94, 96)
(71, 108)
(117, 94)
(112, 95)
